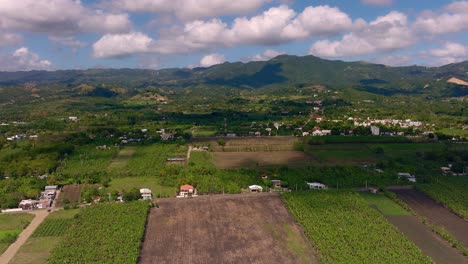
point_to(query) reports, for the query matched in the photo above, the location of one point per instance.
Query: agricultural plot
(150, 161)
(430, 244)
(122, 157)
(11, 226)
(383, 204)
(346, 229)
(47, 236)
(72, 193)
(127, 183)
(452, 192)
(87, 161)
(117, 228)
(436, 213)
(232, 160)
(252, 144)
(224, 229)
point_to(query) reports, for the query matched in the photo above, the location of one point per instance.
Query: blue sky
(71, 34)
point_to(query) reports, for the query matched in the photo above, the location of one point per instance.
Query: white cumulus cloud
(384, 34)
(454, 18)
(266, 55)
(276, 25)
(59, 18)
(120, 45)
(23, 60)
(189, 9)
(450, 52)
(212, 59)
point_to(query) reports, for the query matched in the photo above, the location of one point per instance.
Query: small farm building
(27, 204)
(408, 176)
(187, 190)
(255, 188)
(146, 194)
(276, 184)
(317, 186)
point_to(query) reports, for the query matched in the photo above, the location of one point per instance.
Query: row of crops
(104, 233)
(450, 191)
(346, 230)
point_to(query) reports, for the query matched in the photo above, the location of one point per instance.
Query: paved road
(8, 255)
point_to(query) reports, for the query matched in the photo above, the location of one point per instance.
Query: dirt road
(436, 213)
(430, 244)
(8, 255)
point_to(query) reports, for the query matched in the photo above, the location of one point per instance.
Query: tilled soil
(436, 213)
(251, 228)
(430, 244)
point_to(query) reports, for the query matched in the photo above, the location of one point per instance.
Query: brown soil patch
(72, 193)
(457, 81)
(436, 213)
(232, 160)
(224, 229)
(430, 244)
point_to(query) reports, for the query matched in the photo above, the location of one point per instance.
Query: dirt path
(189, 151)
(430, 244)
(8, 255)
(436, 213)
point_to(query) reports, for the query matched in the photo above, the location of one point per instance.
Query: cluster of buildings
(388, 122)
(21, 137)
(45, 200)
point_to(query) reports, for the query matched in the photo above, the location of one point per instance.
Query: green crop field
(117, 228)
(345, 229)
(11, 226)
(87, 161)
(47, 236)
(383, 204)
(450, 191)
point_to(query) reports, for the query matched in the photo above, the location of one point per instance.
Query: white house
(146, 194)
(255, 188)
(408, 176)
(187, 190)
(317, 185)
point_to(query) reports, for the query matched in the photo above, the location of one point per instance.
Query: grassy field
(11, 226)
(47, 236)
(345, 229)
(153, 183)
(383, 204)
(122, 157)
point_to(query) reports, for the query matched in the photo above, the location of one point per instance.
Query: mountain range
(281, 71)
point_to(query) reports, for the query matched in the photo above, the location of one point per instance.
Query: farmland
(436, 213)
(224, 229)
(71, 194)
(230, 160)
(452, 192)
(117, 229)
(342, 219)
(11, 226)
(47, 236)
